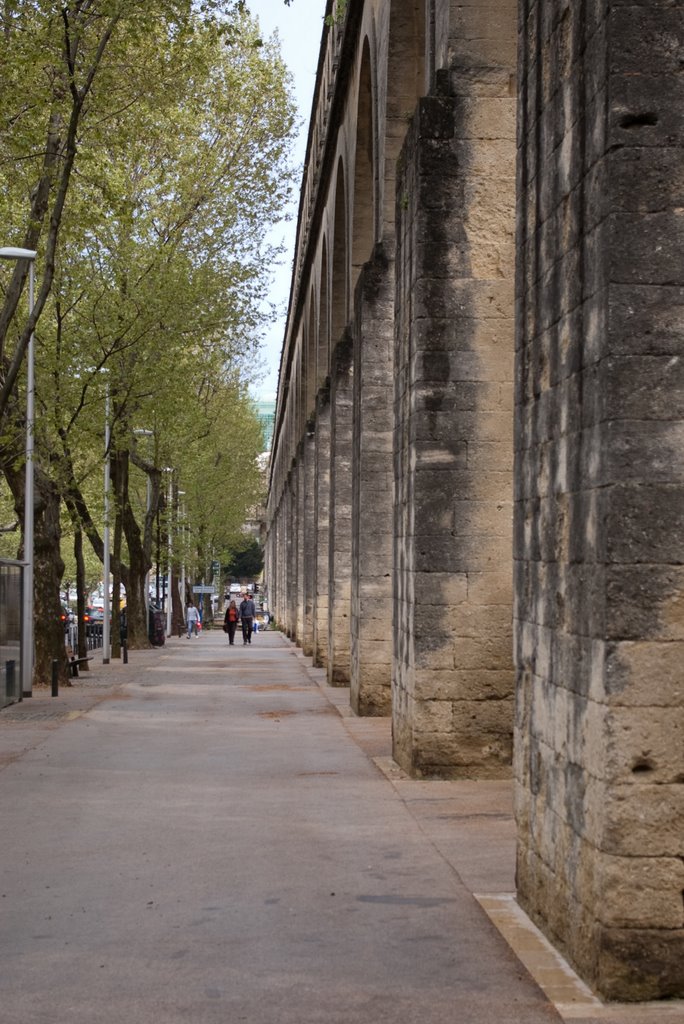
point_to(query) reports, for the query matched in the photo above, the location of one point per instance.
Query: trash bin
(157, 626)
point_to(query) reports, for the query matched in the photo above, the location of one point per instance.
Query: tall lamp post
(181, 516)
(106, 608)
(141, 432)
(169, 593)
(11, 253)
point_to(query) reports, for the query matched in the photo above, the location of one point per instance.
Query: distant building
(266, 414)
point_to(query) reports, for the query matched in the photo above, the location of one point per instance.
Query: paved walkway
(208, 836)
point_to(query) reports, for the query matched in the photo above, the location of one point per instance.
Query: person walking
(247, 612)
(191, 619)
(230, 622)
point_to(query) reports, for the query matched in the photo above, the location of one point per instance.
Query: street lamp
(11, 253)
(106, 611)
(141, 432)
(181, 516)
(169, 595)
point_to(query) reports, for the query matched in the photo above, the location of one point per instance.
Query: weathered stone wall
(372, 490)
(453, 701)
(299, 524)
(292, 554)
(322, 527)
(600, 489)
(339, 564)
(310, 539)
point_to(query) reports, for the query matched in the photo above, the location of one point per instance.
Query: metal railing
(93, 631)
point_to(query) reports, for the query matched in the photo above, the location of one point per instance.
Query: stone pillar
(290, 581)
(453, 699)
(322, 523)
(599, 515)
(300, 530)
(372, 490)
(274, 581)
(309, 538)
(283, 559)
(339, 568)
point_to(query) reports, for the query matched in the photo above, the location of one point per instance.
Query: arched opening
(339, 266)
(364, 178)
(406, 74)
(323, 348)
(310, 360)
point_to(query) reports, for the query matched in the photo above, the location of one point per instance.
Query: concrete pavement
(207, 835)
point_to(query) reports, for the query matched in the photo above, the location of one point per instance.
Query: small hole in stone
(649, 118)
(642, 766)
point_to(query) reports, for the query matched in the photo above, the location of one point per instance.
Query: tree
(246, 562)
(156, 193)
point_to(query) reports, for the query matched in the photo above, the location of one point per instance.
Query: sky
(299, 27)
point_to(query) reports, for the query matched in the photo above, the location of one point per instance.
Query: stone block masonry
(372, 490)
(453, 706)
(340, 531)
(599, 514)
(322, 527)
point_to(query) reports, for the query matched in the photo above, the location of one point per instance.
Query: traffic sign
(203, 588)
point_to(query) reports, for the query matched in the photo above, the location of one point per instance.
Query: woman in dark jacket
(231, 620)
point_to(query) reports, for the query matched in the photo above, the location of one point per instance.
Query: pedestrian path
(207, 835)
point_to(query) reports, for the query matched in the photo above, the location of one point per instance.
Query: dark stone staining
(343, 356)
(373, 277)
(641, 964)
(640, 120)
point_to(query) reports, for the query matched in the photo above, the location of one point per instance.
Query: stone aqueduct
(476, 509)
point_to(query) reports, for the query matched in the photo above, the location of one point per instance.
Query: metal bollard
(55, 679)
(10, 679)
(124, 652)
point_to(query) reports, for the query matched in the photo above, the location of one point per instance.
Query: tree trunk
(119, 463)
(136, 612)
(48, 568)
(139, 566)
(178, 604)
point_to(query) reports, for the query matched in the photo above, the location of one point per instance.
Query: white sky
(299, 28)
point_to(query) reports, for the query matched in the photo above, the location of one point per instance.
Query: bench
(74, 663)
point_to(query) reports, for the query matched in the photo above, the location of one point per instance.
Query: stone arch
(311, 350)
(323, 332)
(339, 304)
(298, 390)
(406, 73)
(364, 174)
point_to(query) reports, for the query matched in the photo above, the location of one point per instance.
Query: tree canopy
(144, 153)
(246, 561)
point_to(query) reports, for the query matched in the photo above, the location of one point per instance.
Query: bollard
(124, 652)
(9, 679)
(55, 679)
